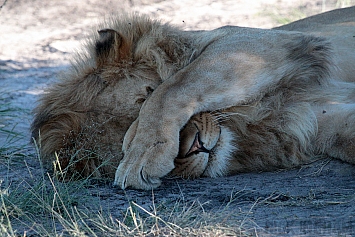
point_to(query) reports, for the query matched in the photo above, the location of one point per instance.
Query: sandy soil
(36, 43)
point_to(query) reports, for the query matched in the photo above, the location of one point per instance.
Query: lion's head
(84, 117)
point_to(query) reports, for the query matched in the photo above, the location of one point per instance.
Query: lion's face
(124, 95)
(85, 116)
(112, 112)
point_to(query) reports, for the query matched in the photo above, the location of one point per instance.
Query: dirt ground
(37, 41)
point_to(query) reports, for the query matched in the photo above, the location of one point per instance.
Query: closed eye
(140, 100)
(149, 90)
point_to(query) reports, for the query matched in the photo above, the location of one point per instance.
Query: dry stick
(3, 4)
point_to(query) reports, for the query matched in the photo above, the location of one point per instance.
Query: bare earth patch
(37, 41)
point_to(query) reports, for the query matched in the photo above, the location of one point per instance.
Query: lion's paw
(144, 163)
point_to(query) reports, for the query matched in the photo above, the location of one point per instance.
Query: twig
(3, 4)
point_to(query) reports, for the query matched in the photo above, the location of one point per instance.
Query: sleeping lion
(146, 100)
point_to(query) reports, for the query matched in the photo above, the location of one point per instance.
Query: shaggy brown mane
(130, 46)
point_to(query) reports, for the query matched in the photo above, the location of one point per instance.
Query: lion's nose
(197, 146)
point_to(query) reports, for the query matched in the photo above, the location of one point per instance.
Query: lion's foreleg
(150, 151)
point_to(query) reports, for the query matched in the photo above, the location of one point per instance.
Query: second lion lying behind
(277, 131)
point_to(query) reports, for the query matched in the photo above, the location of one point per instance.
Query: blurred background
(48, 30)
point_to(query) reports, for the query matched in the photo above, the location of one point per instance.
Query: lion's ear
(111, 47)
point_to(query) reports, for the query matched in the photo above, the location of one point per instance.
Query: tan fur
(277, 97)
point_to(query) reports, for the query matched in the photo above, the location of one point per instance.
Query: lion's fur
(85, 116)
(80, 119)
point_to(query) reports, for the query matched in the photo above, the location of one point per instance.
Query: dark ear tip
(110, 46)
(105, 42)
(105, 31)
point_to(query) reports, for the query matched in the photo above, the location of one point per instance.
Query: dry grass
(41, 205)
(46, 207)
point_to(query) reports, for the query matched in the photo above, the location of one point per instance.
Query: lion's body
(279, 98)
